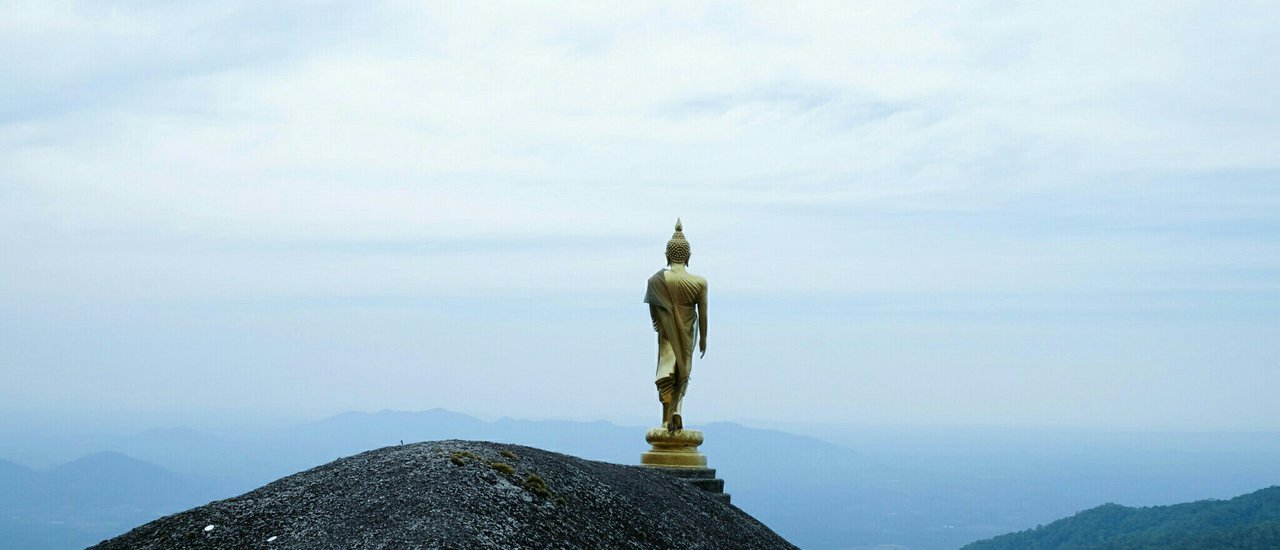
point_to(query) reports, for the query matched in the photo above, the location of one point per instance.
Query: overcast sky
(1057, 213)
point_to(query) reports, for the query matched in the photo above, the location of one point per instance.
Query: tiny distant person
(678, 307)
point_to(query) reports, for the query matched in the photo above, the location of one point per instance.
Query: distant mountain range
(1248, 522)
(814, 493)
(80, 502)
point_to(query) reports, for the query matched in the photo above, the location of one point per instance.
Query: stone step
(702, 478)
(690, 473)
(708, 485)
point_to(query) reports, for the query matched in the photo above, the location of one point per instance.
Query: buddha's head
(678, 251)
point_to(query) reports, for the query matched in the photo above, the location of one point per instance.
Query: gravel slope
(461, 494)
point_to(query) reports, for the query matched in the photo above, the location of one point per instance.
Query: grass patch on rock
(536, 485)
(459, 457)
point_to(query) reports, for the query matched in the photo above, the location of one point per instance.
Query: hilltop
(461, 494)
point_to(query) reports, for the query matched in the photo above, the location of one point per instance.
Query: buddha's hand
(702, 347)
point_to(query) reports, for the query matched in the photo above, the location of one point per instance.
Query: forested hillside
(1246, 522)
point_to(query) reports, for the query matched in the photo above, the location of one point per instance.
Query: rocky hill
(461, 494)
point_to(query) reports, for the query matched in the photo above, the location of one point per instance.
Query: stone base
(673, 449)
(676, 453)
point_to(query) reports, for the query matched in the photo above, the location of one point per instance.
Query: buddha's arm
(702, 322)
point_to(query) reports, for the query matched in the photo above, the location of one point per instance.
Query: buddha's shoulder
(684, 277)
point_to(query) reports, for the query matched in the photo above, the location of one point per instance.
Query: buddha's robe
(673, 298)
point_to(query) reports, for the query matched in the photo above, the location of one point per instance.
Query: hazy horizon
(21, 423)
